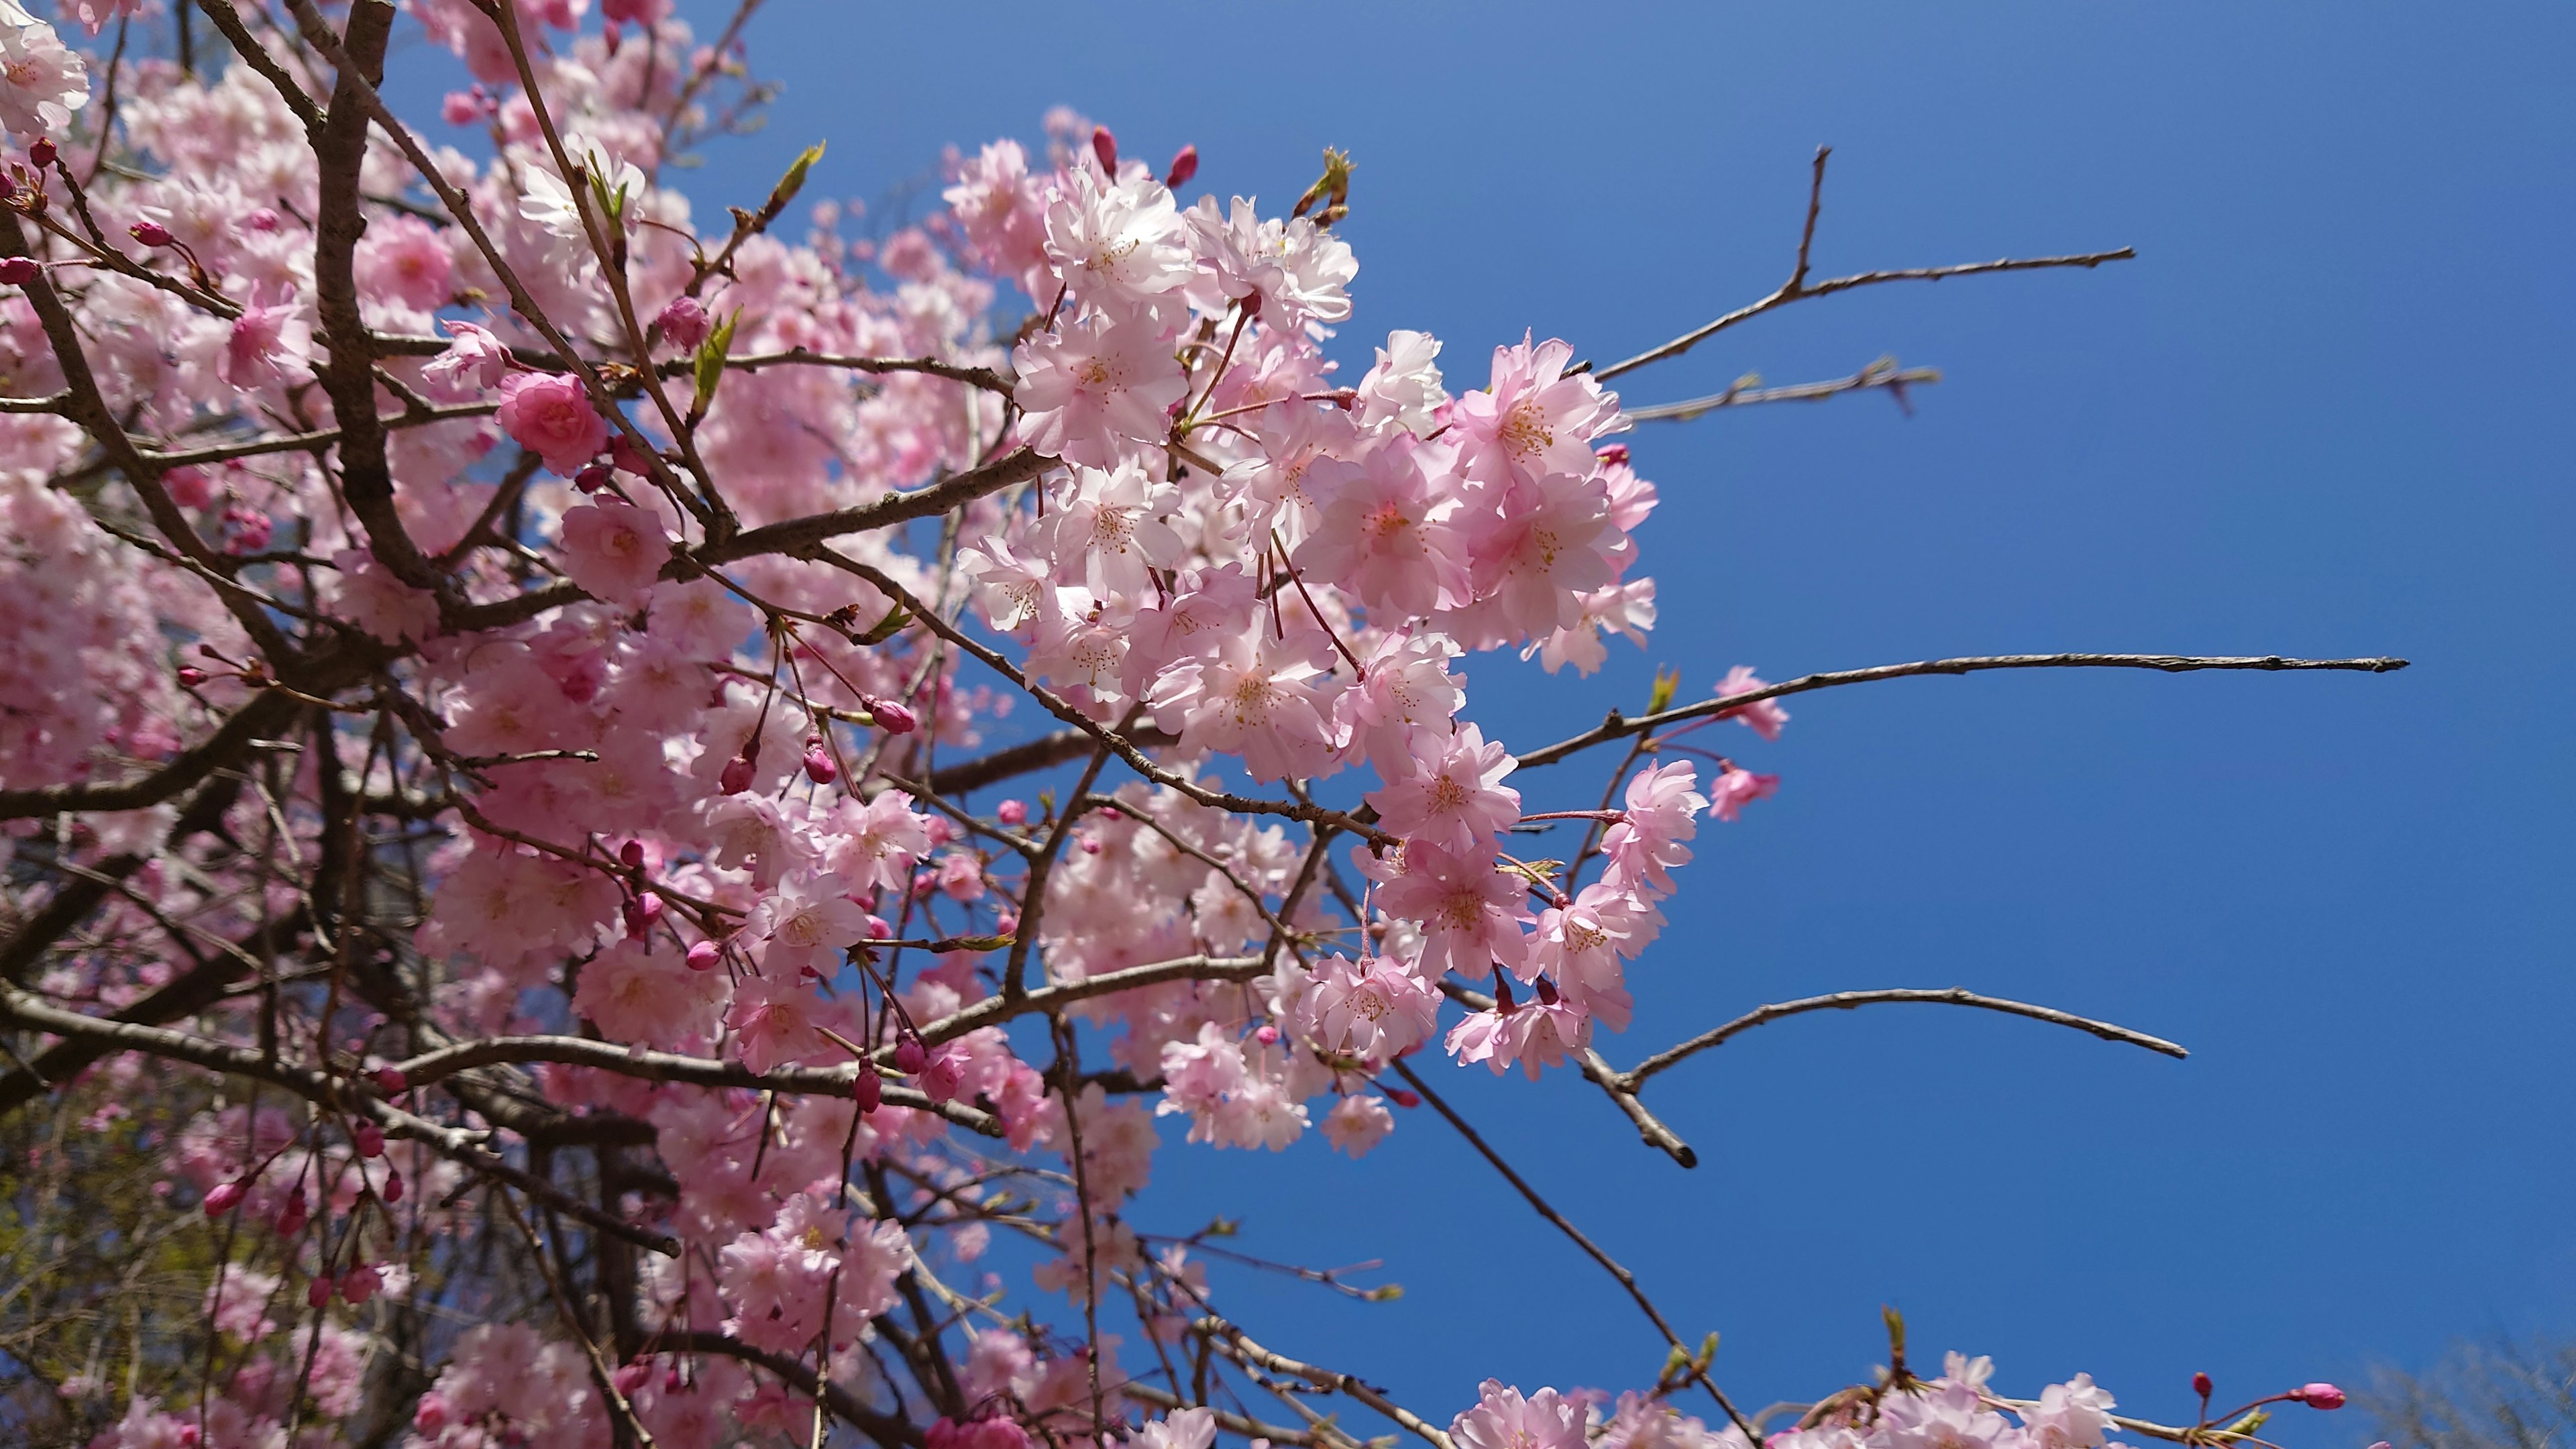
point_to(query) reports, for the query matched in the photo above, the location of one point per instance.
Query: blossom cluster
(527, 700)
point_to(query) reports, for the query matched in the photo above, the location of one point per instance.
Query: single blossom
(550, 415)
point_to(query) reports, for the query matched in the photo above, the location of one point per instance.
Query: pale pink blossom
(1266, 699)
(1764, 716)
(1663, 804)
(1357, 1124)
(474, 361)
(271, 342)
(1503, 1419)
(1531, 420)
(41, 81)
(1453, 797)
(1732, 790)
(614, 550)
(1097, 391)
(1372, 1008)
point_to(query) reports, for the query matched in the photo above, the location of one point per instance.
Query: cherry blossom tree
(600, 807)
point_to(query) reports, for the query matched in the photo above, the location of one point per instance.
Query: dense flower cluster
(497, 674)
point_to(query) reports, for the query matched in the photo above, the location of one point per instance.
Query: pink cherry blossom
(549, 415)
(614, 550)
(1453, 798)
(1764, 716)
(1097, 392)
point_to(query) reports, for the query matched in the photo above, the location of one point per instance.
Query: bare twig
(1798, 287)
(1636, 1076)
(1617, 726)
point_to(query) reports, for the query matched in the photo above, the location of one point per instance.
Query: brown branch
(1118, 744)
(1798, 288)
(1883, 375)
(1591, 1249)
(1597, 1069)
(1617, 726)
(1231, 1341)
(1636, 1076)
(888, 1430)
(454, 1144)
(801, 537)
(1044, 752)
(267, 714)
(653, 1066)
(994, 1010)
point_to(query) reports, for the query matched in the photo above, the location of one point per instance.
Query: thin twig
(1636, 1076)
(1617, 726)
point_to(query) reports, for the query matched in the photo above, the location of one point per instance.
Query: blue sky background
(2325, 413)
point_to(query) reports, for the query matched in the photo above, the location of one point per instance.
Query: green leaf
(711, 362)
(794, 181)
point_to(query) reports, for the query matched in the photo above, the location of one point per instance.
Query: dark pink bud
(222, 1198)
(2201, 1385)
(19, 271)
(361, 1282)
(318, 1292)
(683, 323)
(41, 155)
(391, 1081)
(189, 487)
(736, 777)
(631, 855)
(704, 955)
(190, 676)
(2320, 1396)
(942, 1079)
(1267, 1036)
(946, 1434)
(292, 1217)
(818, 765)
(368, 1138)
(151, 233)
(1185, 164)
(1105, 146)
(1012, 812)
(910, 1056)
(592, 477)
(627, 458)
(893, 718)
(430, 1414)
(1403, 1098)
(393, 1187)
(641, 912)
(999, 1434)
(631, 1378)
(868, 1090)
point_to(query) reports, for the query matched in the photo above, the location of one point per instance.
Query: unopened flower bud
(1403, 1098)
(626, 457)
(189, 487)
(1105, 146)
(910, 1056)
(868, 1090)
(818, 765)
(893, 718)
(361, 1282)
(631, 1378)
(391, 1081)
(736, 776)
(19, 271)
(42, 154)
(1012, 812)
(368, 1138)
(1267, 1036)
(2319, 1396)
(318, 1292)
(190, 676)
(292, 1217)
(704, 955)
(222, 1198)
(1185, 164)
(393, 1187)
(591, 478)
(641, 912)
(2201, 1385)
(631, 854)
(683, 323)
(151, 233)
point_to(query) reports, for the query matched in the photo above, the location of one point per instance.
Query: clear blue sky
(2326, 412)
